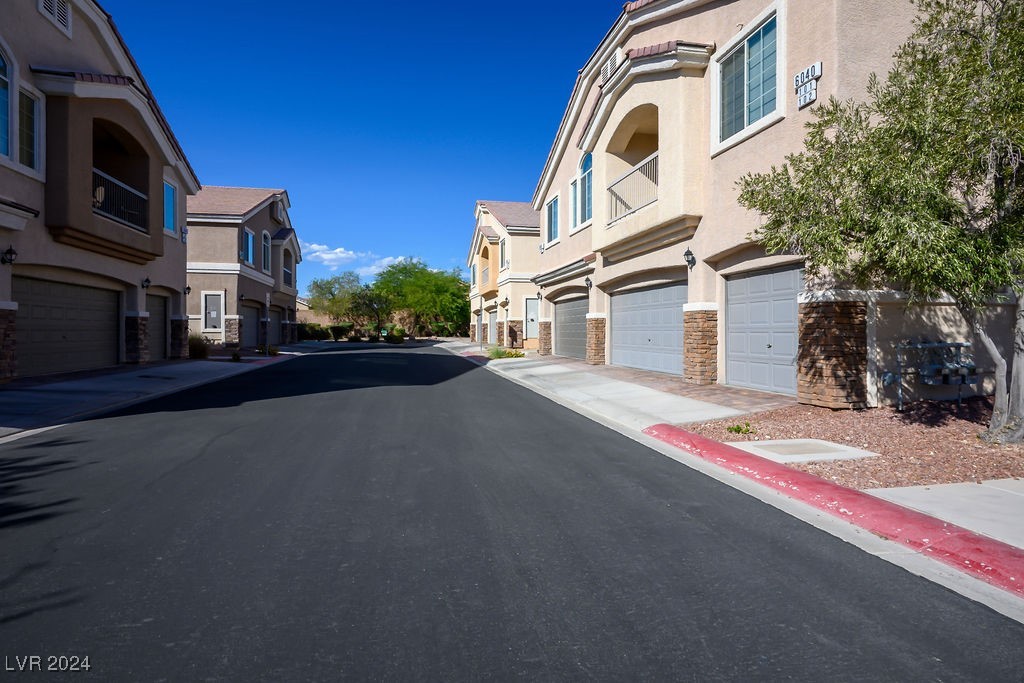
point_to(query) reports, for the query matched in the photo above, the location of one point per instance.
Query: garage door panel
(571, 328)
(647, 328)
(62, 327)
(250, 326)
(761, 330)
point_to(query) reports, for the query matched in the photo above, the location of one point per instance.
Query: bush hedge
(198, 347)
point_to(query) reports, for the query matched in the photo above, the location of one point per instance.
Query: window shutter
(611, 65)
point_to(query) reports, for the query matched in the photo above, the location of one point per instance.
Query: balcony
(488, 287)
(114, 200)
(634, 190)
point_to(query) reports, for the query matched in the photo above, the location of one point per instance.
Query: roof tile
(228, 201)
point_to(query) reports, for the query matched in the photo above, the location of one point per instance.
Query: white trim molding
(8, 305)
(596, 316)
(700, 306)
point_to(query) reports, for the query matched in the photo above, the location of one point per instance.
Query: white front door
(532, 327)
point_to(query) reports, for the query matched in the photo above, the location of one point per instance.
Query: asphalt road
(400, 514)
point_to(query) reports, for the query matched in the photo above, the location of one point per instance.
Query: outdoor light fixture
(539, 295)
(146, 283)
(188, 290)
(241, 297)
(8, 256)
(504, 301)
(690, 259)
(589, 283)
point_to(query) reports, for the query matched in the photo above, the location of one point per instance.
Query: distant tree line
(409, 293)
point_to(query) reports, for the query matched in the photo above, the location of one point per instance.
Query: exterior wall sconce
(188, 290)
(690, 259)
(539, 295)
(241, 297)
(589, 283)
(9, 256)
(146, 283)
(505, 302)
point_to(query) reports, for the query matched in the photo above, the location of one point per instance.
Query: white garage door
(274, 333)
(61, 327)
(250, 326)
(157, 327)
(647, 328)
(571, 328)
(761, 330)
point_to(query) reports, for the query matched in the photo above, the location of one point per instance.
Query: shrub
(498, 352)
(341, 330)
(354, 338)
(373, 338)
(274, 350)
(236, 356)
(744, 428)
(198, 347)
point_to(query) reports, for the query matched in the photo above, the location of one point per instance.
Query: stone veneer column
(700, 346)
(544, 337)
(501, 334)
(472, 332)
(596, 327)
(233, 331)
(179, 337)
(832, 360)
(483, 333)
(515, 333)
(8, 346)
(136, 338)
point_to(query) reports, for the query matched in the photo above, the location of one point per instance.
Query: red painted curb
(995, 562)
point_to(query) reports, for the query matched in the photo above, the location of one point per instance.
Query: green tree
(429, 296)
(369, 304)
(920, 188)
(333, 295)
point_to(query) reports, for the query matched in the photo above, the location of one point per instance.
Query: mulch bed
(930, 442)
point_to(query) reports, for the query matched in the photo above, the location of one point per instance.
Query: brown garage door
(62, 327)
(274, 332)
(157, 307)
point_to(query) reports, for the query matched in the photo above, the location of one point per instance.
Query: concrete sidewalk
(33, 404)
(979, 525)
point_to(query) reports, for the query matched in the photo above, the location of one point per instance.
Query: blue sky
(385, 121)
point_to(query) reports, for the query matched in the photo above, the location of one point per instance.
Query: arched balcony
(120, 176)
(632, 161)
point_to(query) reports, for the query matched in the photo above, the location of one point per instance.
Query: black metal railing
(115, 200)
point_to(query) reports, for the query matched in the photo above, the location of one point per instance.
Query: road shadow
(331, 370)
(21, 504)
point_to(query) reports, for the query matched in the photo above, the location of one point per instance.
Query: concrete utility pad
(994, 508)
(801, 450)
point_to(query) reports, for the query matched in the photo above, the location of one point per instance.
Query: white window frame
(285, 270)
(549, 240)
(266, 251)
(776, 9)
(503, 260)
(66, 30)
(577, 196)
(174, 228)
(16, 85)
(248, 255)
(472, 275)
(220, 331)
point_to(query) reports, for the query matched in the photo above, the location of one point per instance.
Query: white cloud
(332, 258)
(379, 265)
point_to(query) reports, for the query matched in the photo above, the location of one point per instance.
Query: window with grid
(170, 208)
(248, 247)
(748, 81)
(266, 252)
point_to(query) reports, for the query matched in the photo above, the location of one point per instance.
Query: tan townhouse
(242, 260)
(502, 261)
(92, 198)
(646, 261)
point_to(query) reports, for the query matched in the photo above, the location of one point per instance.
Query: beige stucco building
(502, 261)
(242, 259)
(644, 258)
(92, 198)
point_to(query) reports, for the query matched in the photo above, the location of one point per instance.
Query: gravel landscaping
(928, 443)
